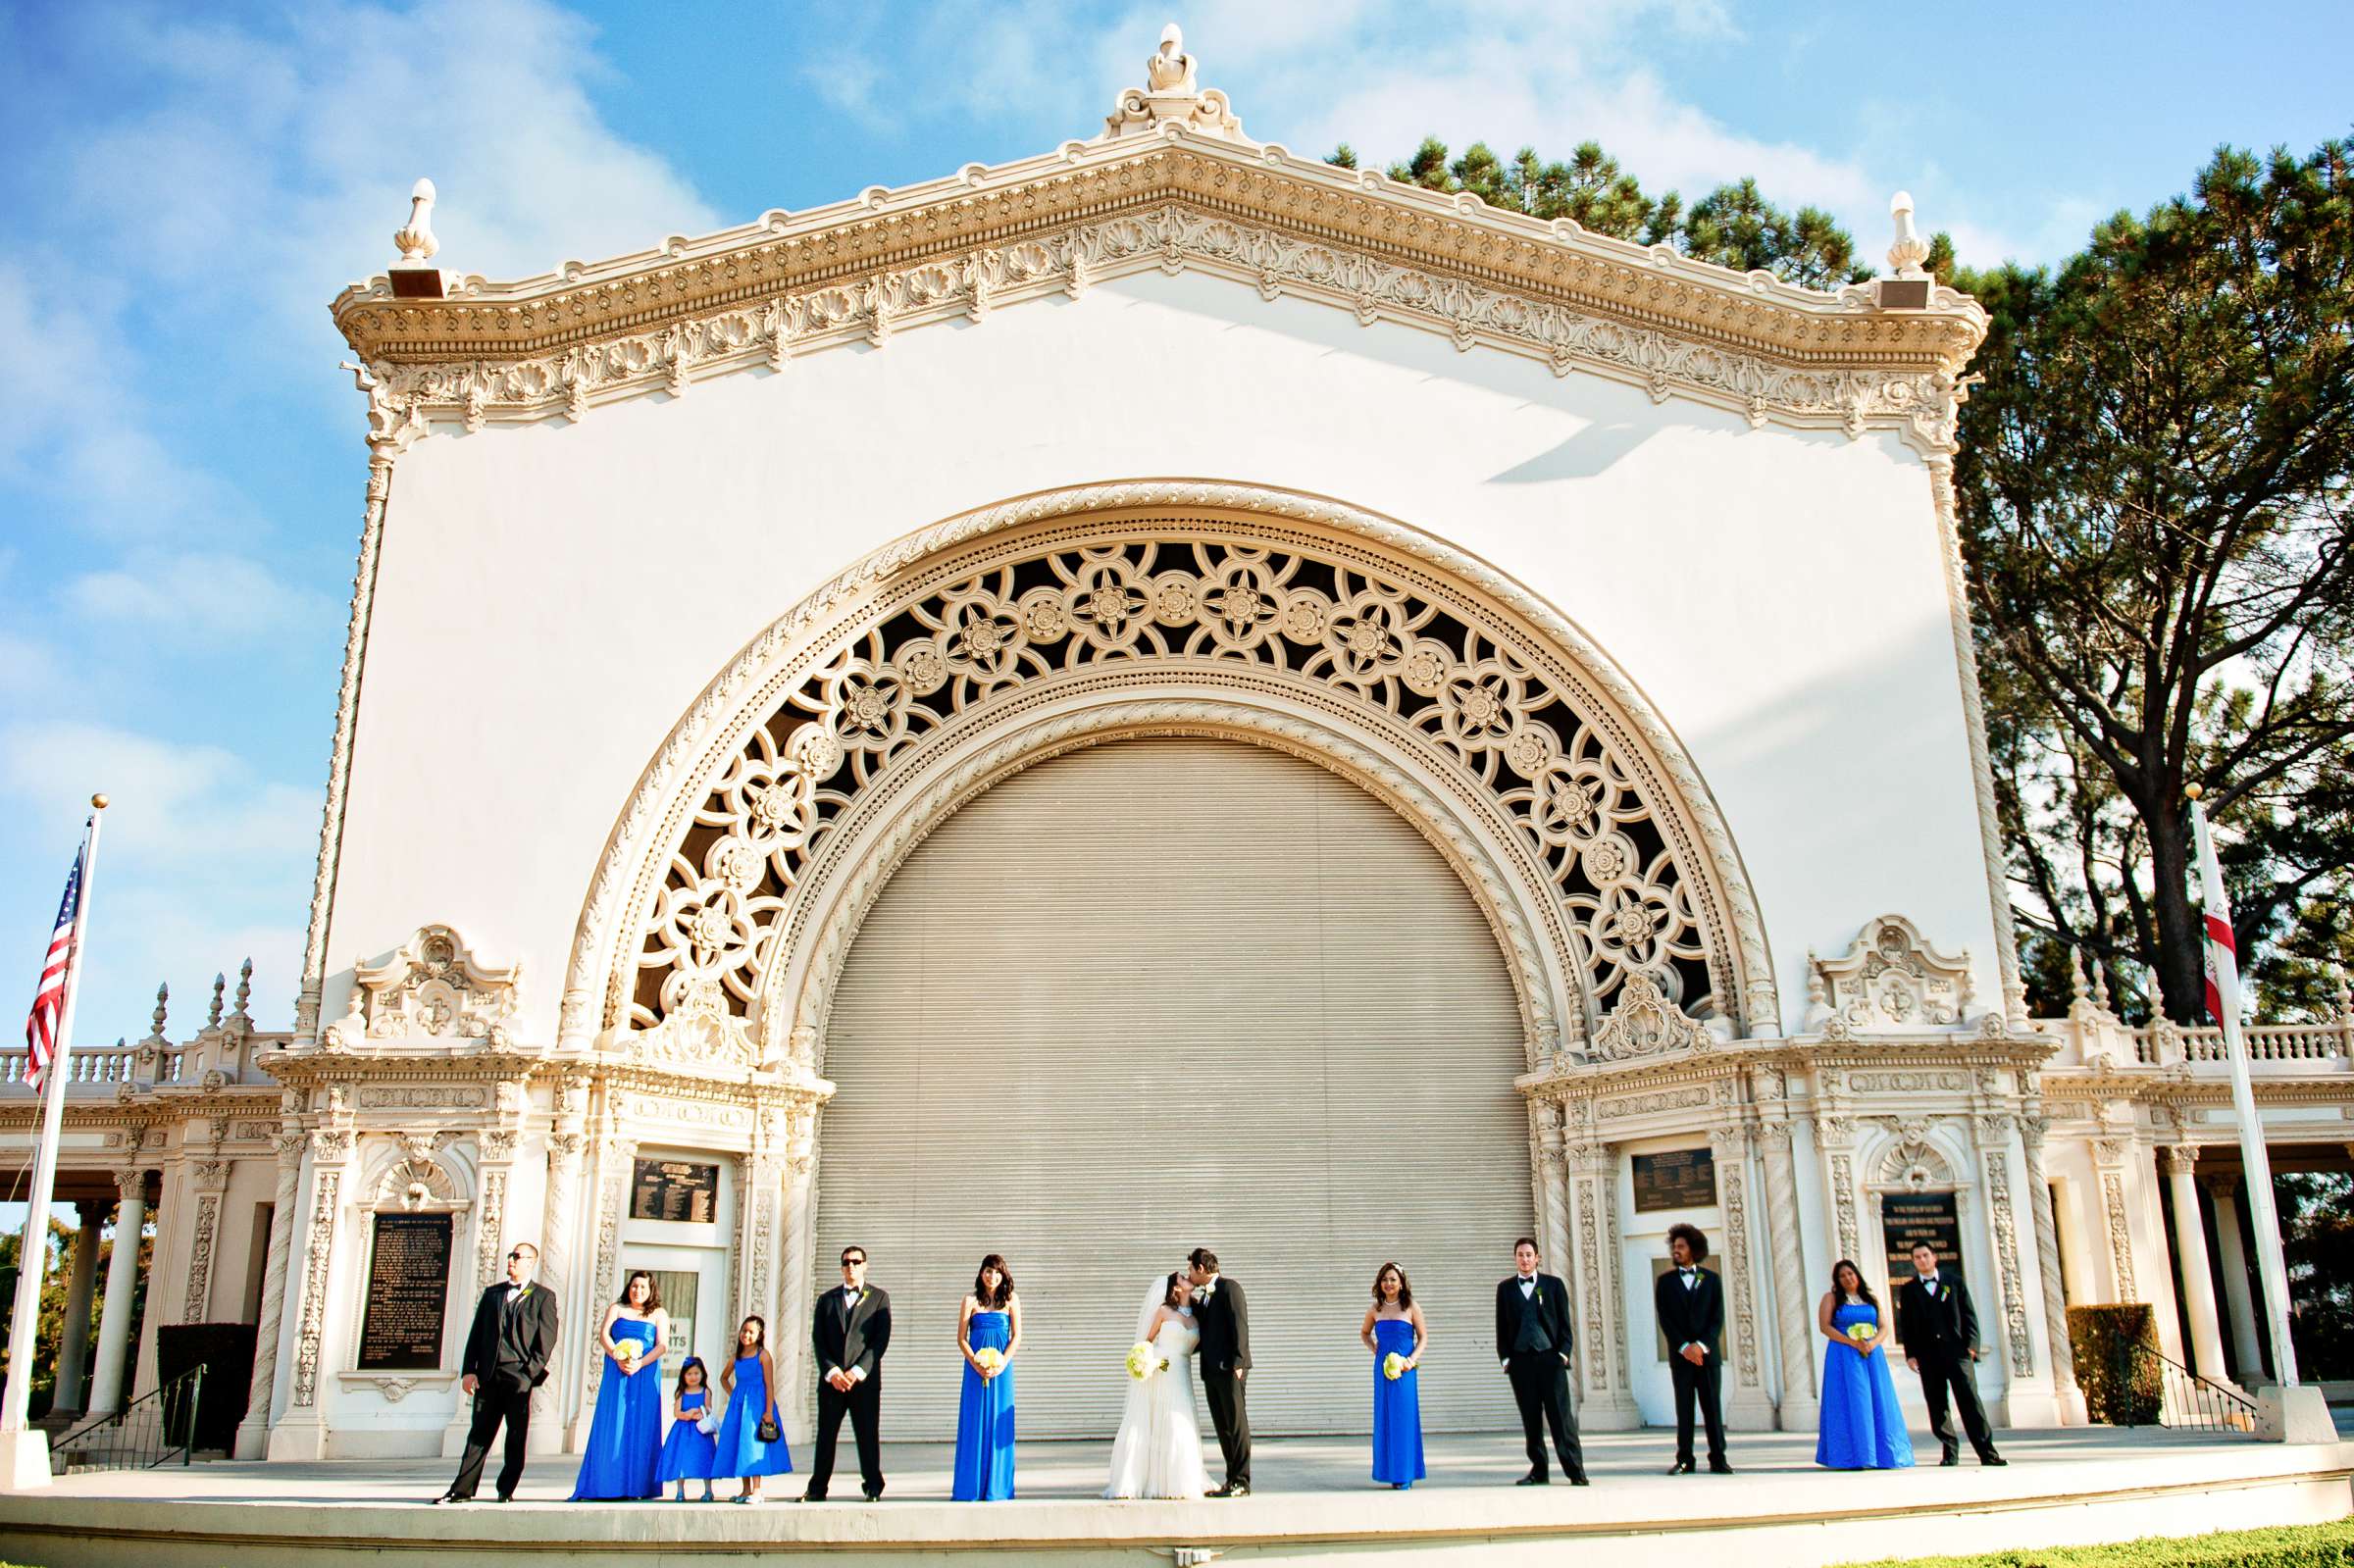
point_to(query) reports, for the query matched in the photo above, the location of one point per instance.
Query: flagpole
(2272, 1267)
(33, 1253)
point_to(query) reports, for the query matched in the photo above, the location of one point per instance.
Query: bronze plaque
(1677, 1179)
(675, 1190)
(1909, 1217)
(408, 1292)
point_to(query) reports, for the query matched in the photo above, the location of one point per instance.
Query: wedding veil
(1154, 1294)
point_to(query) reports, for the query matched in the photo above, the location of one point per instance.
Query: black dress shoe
(1683, 1467)
(1535, 1478)
(875, 1495)
(1950, 1459)
(1717, 1467)
(450, 1496)
(812, 1496)
(1238, 1489)
(1992, 1459)
(1578, 1479)
(506, 1497)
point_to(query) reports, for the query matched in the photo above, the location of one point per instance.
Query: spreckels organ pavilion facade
(1164, 693)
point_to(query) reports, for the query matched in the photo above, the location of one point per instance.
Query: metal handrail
(152, 1429)
(2185, 1401)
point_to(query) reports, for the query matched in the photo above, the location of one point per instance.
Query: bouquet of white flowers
(628, 1353)
(1393, 1366)
(990, 1360)
(1863, 1333)
(1143, 1361)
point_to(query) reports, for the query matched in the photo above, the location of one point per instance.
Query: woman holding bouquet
(1862, 1425)
(989, 1331)
(625, 1438)
(1394, 1332)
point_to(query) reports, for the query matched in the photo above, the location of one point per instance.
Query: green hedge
(2120, 1388)
(2290, 1547)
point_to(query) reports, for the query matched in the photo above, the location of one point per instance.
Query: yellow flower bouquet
(1861, 1335)
(628, 1353)
(1143, 1362)
(990, 1360)
(1393, 1366)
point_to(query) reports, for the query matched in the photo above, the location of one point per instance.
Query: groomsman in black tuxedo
(1939, 1330)
(1690, 1301)
(1534, 1343)
(850, 1330)
(1222, 1316)
(506, 1355)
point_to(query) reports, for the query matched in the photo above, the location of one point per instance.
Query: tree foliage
(2156, 488)
(1733, 226)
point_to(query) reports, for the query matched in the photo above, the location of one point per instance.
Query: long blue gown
(1862, 1425)
(740, 1450)
(625, 1436)
(1397, 1408)
(985, 1418)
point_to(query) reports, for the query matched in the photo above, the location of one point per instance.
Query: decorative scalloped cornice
(859, 271)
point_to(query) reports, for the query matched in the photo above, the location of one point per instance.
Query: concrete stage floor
(1314, 1502)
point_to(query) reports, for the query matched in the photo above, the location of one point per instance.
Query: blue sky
(186, 188)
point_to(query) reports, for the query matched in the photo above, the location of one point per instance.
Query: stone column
(207, 1181)
(2110, 1155)
(253, 1432)
(121, 1282)
(2047, 1261)
(1593, 1275)
(495, 1150)
(2190, 1250)
(73, 1338)
(2224, 1189)
(559, 1231)
(1793, 1305)
(2015, 1339)
(1553, 1192)
(300, 1431)
(615, 1161)
(1746, 1404)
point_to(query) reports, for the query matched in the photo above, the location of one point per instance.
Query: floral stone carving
(434, 988)
(1646, 1024)
(1890, 977)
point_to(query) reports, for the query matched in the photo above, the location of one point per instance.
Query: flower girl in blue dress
(752, 1440)
(687, 1453)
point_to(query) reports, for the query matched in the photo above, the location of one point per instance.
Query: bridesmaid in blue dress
(1862, 1425)
(751, 1381)
(688, 1452)
(1394, 1326)
(991, 1320)
(625, 1436)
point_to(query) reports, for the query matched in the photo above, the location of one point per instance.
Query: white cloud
(205, 596)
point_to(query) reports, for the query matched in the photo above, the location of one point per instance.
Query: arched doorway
(1167, 992)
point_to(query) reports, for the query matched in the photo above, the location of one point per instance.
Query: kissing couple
(1193, 1310)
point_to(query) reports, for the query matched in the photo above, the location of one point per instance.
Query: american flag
(49, 1002)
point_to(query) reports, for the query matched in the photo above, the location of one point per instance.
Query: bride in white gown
(1159, 1450)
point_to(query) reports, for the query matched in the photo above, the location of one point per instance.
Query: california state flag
(2223, 959)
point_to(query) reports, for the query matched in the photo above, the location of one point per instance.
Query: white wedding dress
(1159, 1450)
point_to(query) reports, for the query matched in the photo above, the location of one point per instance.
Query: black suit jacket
(1224, 1321)
(853, 1342)
(1552, 1306)
(1692, 1315)
(1944, 1327)
(511, 1352)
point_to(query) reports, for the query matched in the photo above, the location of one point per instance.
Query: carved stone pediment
(1889, 978)
(1645, 1023)
(432, 988)
(700, 1033)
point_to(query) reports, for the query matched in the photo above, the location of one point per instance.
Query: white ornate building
(1162, 693)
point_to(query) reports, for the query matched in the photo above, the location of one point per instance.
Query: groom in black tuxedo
(1690, 1302)
(850, 1330)
(506, 1355)
(1223, 1318)
(1939, 1331)
(1534, 1343)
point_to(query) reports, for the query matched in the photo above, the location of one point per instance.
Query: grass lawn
(2287, 1546)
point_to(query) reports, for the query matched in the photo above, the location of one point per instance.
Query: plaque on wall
(675, 1190)
(1676, 1179)
(408, 1292)
(1909, 1217)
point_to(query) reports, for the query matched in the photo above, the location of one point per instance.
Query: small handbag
(707, 1425)
(768, 1429)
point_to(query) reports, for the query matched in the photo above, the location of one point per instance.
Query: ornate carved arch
(974, 647)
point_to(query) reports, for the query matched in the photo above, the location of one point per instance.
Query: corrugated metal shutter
(1165, 994)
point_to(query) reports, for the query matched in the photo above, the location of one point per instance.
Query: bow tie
(1686, 1273)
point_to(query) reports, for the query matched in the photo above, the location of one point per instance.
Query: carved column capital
(130, 1183)
(2181, 1159)
(2224, 1185)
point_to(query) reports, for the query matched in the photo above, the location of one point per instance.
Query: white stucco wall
(552, 598)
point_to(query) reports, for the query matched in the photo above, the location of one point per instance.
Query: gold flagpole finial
(2193, 792)
(99, 801)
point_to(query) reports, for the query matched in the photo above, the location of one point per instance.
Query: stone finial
(416, 237)
(2340, 992)
(2077, 991)
(1909, 250)
(212, 1018)
(244, 988)
(163, 1000)
(1172, 94)
(2100, 985)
